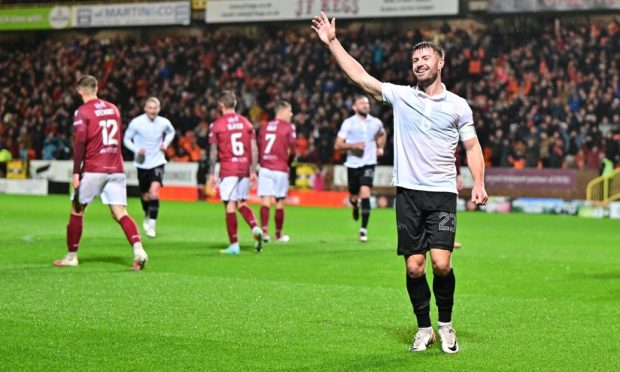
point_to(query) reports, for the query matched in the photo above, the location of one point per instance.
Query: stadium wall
(327, 186)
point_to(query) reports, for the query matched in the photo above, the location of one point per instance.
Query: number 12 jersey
(98, 123)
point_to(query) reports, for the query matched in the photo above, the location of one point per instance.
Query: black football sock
(420, 296)
(145, 206)
(443, 288)
(153, 209)
(353, 203)
(365, 212)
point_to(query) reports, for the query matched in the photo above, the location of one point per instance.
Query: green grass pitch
(533, 293)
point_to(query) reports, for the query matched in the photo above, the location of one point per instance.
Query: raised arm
(475, 161)
(326, 31)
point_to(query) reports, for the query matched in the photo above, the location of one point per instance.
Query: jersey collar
(437, 97)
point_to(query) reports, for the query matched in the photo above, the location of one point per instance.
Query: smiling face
(427, 64)
(151, 107)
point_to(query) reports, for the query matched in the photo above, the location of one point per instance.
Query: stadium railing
(604, 188)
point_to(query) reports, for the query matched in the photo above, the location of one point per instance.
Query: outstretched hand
(325, 30)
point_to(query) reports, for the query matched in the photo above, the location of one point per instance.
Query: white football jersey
(147, 134)
(355, 129)
(426, 132)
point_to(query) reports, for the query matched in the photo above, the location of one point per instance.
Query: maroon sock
(264, 218)
(231, 227)
(131, 230)
(279, 222)
(74, 232)
(248, 216)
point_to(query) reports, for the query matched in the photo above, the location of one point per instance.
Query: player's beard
(429, 80)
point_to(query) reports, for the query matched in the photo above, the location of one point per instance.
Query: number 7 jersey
(233, 135)
(276, 143)
(99, 123)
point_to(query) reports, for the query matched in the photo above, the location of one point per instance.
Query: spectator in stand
(541, 77)
(189, 143)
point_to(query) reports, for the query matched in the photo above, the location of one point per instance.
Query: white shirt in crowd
(356, 129)
(147, 134)
(426, 132)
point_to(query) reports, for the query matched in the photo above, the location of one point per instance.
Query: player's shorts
(148, 176)
(272, 183)
(358, 177)
(425, 220)
(234, 188)
(111, 186)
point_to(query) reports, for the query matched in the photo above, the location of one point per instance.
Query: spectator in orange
(190, 145)
(301, 146)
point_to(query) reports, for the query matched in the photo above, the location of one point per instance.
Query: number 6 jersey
(233, 134)
(97, 138)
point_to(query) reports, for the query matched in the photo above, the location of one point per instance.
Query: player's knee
(442, 268)
(154, 191)
(365, 192)
(415, 269)
(118, 216)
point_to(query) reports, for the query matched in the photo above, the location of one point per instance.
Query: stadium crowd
(546, 96)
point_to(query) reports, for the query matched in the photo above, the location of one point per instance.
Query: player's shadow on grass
(216, 246)
(402, 334)
(117, 260)
(602, 276)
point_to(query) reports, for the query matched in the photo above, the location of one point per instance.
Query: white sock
(442, 324)
(234, 245)
(362, 230)
(152, 223)
(72, 255)
(137, 248)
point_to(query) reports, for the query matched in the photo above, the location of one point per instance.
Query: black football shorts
(358, 177)
(148, 176)
(425, 220)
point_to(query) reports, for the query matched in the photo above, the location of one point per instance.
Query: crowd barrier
(524, 190)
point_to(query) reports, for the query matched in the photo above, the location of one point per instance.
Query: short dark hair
(359, 96)
(88, 82)
(228, 98)
(431, 45)
(281, 104)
